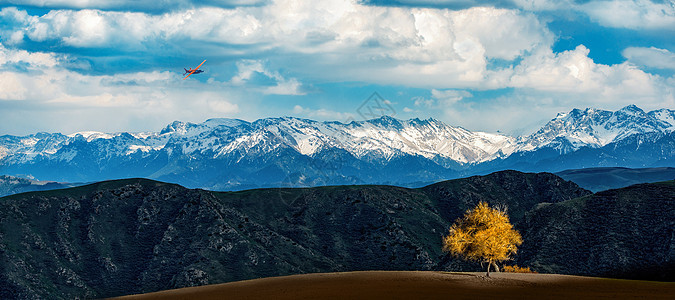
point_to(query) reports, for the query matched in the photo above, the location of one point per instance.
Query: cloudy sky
(507, 66)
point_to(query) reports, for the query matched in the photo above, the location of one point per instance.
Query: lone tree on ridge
(483, 234)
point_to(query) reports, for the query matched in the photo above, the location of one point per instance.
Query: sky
(504, 66)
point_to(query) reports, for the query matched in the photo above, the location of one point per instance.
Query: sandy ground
(423, 285)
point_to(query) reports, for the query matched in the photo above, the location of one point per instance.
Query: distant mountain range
(137, 235)
(227, 154)
(600, 179)
(10, 185)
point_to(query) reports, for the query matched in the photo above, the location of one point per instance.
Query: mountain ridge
(139, 235)
(231, 154)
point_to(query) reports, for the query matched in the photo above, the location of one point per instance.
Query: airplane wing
(188, 75)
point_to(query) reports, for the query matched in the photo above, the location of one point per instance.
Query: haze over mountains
(227, 154)
(12, 185)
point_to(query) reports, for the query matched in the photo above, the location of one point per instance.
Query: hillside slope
(628, 233)
(137, 235)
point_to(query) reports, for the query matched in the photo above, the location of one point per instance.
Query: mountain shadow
(623, 233)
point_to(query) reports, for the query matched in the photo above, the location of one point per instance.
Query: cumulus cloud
(345, 41)
(635, 14)
(632, 14)
(56, 99)
(449, 97)
(248, 68)
(573, 72)
(32, 59)
(134, 5)
(13, 23)
(281, 47)
(423, 102)
(352, 39)
(11, 87)
(650, 57)
(322, 114)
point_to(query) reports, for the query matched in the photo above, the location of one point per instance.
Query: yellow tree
(483, 234)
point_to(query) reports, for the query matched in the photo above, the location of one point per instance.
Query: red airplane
(195, 71)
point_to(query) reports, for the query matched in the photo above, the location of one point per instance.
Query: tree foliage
(483, 234)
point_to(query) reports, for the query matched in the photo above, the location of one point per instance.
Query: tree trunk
(496, 267)
(488, 268)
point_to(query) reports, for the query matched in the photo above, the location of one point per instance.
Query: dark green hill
(626, 233)
(137, 235)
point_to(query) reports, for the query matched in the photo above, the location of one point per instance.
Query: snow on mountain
(379, 139)
(428, 138)
(596, 128)
(91, 135)
(386, 138)
(666, 117)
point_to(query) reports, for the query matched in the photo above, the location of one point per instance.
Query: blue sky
(507, 66)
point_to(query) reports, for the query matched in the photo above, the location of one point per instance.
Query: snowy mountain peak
(175, 126)
(560, 115)
(596, 128)
(386, 121)
(224, 122)
(665, 116)
(91, 135)
(380, 139)
(632, 110)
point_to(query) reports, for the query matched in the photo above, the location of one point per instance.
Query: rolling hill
(136, 235)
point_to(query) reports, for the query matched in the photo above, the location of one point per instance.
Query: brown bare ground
(423, 285)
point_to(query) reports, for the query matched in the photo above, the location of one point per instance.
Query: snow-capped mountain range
(597, 128)
(229, 153)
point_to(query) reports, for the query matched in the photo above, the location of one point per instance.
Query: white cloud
(346, 41)
(223, 107)
(562, 72)
(57, 99)
(574, 73)
(13, 21)
(164, 5)
(352, 41)
(32, 59)
(424, 102)
(247, 68)
(286, 87)
(303, 42)
(449, 97)
(504, 114)
(322, 114)
(635, 14)
(11, 87)
(505, 34)
(650, 57)
(539, 5)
